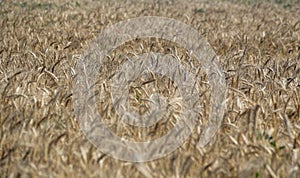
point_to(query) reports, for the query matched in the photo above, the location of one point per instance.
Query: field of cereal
(258, 45)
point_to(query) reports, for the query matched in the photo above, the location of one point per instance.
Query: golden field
(258, 45)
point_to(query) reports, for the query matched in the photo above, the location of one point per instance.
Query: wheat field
(258, 45)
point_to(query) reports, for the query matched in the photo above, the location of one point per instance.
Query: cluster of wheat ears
(258, 44)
